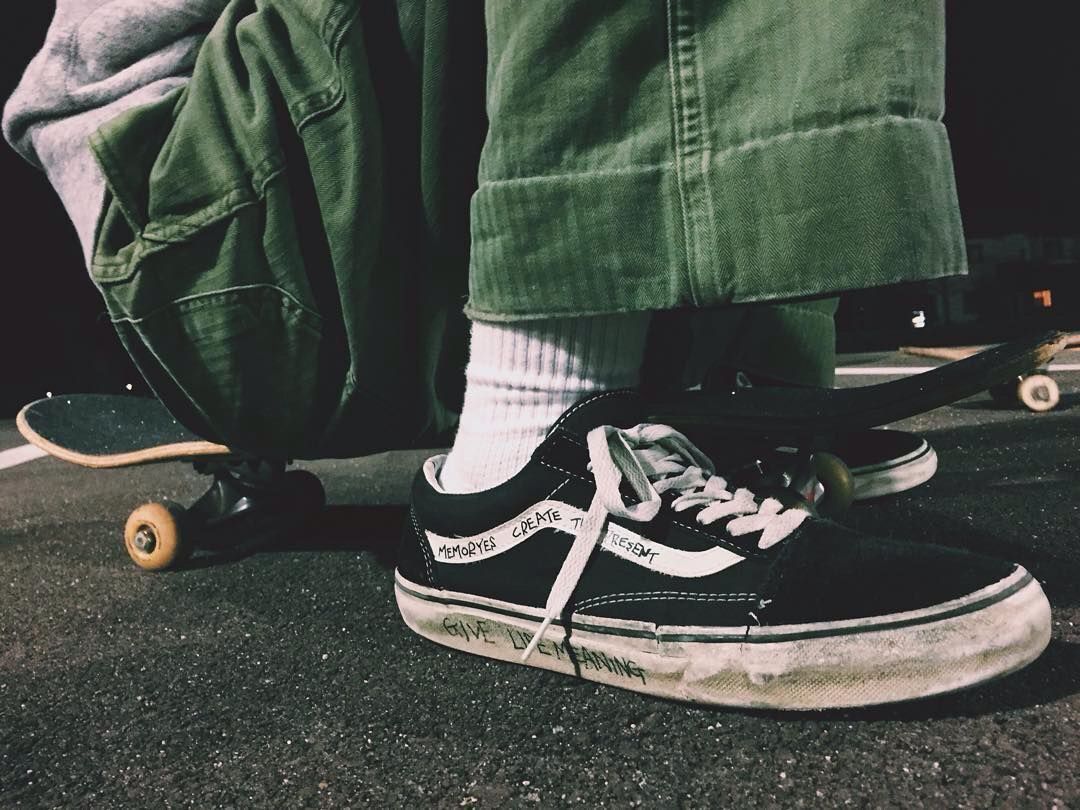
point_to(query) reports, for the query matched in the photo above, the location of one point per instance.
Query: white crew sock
(520, 378)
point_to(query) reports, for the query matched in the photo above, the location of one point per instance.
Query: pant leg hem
(861, 204)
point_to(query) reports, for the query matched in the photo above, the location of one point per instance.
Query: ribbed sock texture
(522, 376)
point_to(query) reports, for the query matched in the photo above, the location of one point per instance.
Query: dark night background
(1012, 113)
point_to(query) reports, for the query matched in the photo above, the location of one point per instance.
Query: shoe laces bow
(654, 459)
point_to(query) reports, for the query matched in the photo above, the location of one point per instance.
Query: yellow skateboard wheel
(153, 537)
(833, 474)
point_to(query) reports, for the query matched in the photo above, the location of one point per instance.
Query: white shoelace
(655, 459)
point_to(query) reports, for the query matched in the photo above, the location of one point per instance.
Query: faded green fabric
(284, 244)
(648, 155)
(792, 343)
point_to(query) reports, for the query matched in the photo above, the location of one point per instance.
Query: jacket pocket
(221, 331)
(210, 253)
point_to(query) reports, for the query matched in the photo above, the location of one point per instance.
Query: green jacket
(276, 251)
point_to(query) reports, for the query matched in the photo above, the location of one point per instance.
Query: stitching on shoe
(568, 439)
(745, 552)
(591, 599)
(566, 472)
(589, 401)
(424, 549)
(560, 486)
(671, 596)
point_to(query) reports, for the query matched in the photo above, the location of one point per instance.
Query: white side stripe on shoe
(563, 517)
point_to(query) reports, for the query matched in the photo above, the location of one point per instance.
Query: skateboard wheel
(153, 538)
(307, 489)
(833, 474)
(1039, 392)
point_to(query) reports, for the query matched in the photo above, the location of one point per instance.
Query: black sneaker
(618, 556)
(882, 461)
(885, 462)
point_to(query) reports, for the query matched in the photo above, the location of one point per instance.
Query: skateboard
(1034, 388)
(251, 496)
(249, 501)
(744, 419)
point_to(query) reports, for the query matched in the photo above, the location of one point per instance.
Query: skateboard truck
(253, 499)
(814, 479)
(249, 501)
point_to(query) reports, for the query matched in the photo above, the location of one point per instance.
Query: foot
(619, 556)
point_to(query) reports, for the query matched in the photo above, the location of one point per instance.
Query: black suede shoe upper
(504, 544)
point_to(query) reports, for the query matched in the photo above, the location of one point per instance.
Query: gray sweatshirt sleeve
(100, 58)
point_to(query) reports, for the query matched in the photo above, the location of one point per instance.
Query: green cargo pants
(289, 243)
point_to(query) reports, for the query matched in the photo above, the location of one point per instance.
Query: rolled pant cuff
(859, 204)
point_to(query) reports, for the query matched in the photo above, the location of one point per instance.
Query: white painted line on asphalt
(20, 455)
(905, 371)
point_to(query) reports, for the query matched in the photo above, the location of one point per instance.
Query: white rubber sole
(896, 475)
(951, 646)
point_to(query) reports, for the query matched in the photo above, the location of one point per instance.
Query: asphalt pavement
(286, 679)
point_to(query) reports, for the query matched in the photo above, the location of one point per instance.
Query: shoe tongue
(623, 408)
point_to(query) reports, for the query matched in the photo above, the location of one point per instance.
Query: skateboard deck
(795, 414)
(107, 430)
(110, 430)
(1035, 388)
